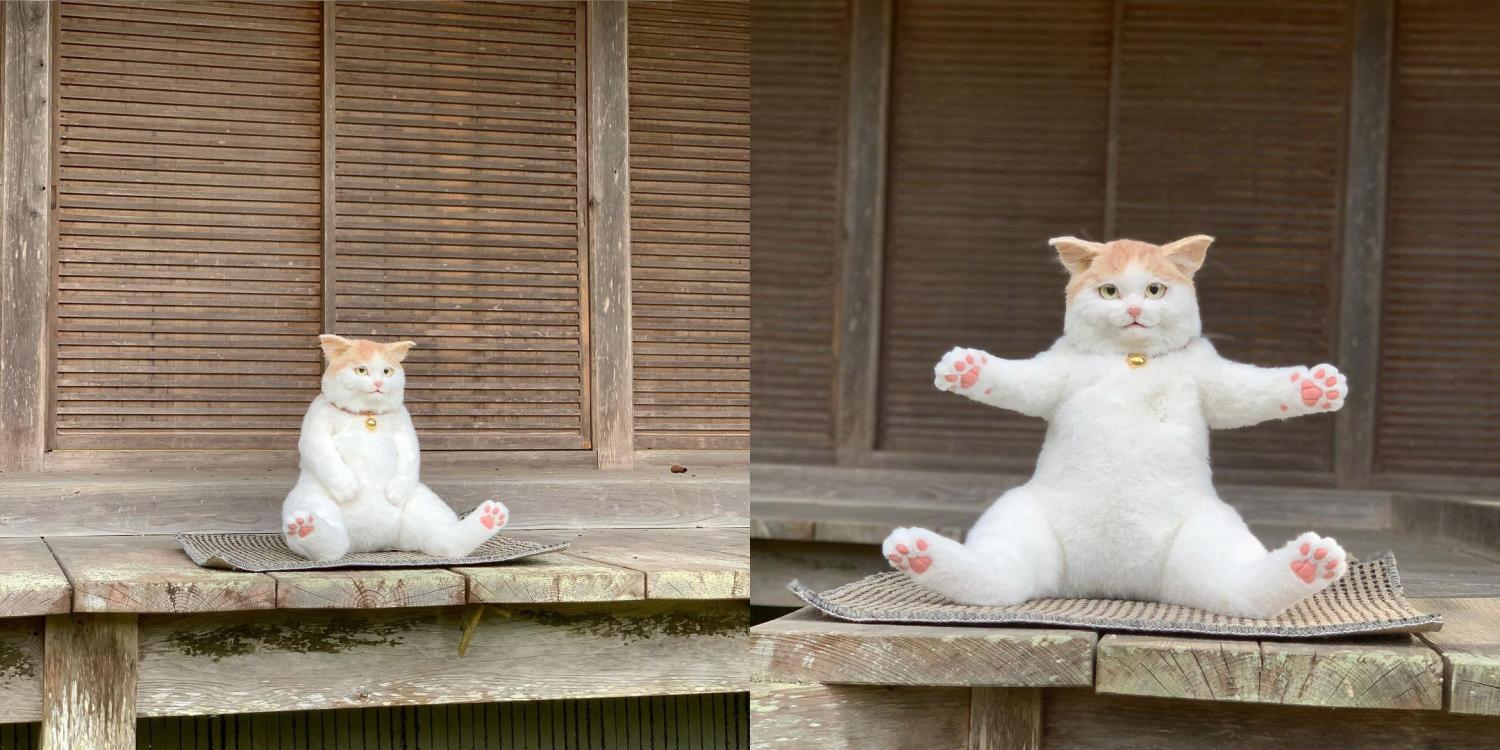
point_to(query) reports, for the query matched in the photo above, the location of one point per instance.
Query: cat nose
(1135, 312)
(379, 383)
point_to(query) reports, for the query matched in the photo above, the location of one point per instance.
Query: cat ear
(1188, 253)
(1076, 254)
(398, 350)
(334, 345)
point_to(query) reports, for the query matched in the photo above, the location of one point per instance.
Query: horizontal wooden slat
(188, 208)
(457, 204)
(690, 256)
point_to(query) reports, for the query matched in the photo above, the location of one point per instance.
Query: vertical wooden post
(1009, 718)
(1112, 135)
(862, 231)
(330, 156)
(609, 235)
(1363, 238)
(88, 682)
(25, 253)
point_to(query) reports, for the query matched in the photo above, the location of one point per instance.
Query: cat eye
(1156, 291)
(389, 370)
(1109, 291)
(361, 370)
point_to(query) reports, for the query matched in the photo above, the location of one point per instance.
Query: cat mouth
(1137, 324)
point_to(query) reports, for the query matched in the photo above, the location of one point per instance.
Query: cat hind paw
(1316, 561)
(908, 550)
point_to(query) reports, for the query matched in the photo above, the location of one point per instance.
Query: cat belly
(370, 455)
(373, 522)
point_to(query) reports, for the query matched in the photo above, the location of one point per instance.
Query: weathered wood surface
(862, 229)
(1397, 672)
(89, 682)
(1428, 568)
(25, 247)
(20, 670)
(1362, 262)
(1081, 719)
(31, 583)
(609, 235)
(817, 565)
(373, 588)
(1008, 718)
(1470, 646)
(152, 574)
(856, 717)
(806, 647)
(557, 577)
(250, 662)
(539, 498)
(678, 563)
(1472, 523)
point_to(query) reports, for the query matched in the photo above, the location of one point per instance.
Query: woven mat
(1368, 599)
(257, 552)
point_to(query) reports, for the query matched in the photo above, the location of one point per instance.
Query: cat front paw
(1317, 388)
(959, 369)
(398, 489)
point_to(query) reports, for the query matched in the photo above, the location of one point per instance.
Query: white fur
(360, 489)
(1122, 503)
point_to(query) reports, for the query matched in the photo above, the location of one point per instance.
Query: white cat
(359, 489)
(1122, 504)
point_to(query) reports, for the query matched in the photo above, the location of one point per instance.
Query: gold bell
(371, 424)
(1136, 360)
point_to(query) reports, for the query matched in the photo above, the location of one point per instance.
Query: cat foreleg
(1029, 386)
(1235, 394)
(429, 526)
(1216, 564)
(320, 457)
(408, 465)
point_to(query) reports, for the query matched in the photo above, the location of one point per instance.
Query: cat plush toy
(359, 489)
(1122, 504)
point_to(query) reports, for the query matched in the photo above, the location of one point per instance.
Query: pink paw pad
(1306, 566)
(965, 370)
(903, 559)
(1319, 389)
(300, 526)
(491, 515)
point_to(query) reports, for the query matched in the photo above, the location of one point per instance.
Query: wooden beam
(862, 231)
(828, 717)
(1005, 718)
(330, 157)
(553, 578)
(31, 583)
(610, 330)
(368, 589)
(1112, 136)
(20, 670)
(806, 647)
(677, 563)
(89, 682)
(138, 574)
(25, 252)
(1470, 645)
(1363, 248)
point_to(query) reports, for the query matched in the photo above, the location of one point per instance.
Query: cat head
(364, 375)
(1127, 296)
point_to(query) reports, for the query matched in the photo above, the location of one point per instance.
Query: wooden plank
(32, 583)
(608, 157)
(330, 171)
(89, 682)
(282, 661)
(1362, 260)
(1177, 667)
(853, 717)
(368, 589)
(249, 500)
(552, 578)
(1005, 717)
(1079, 718)
(806, 647)
(817, 565)
(678, 563)
(153, 574)
(1400, 672)
(862, 217)
(25, 255)
(1470, 645)
(20, 670)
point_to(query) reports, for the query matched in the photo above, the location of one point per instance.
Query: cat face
(364, 375)
(1127, 296)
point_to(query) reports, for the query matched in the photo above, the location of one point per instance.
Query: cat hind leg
(313, 527)
(959, 572)
(429, 526)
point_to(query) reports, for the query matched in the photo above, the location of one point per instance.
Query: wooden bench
(132, 628)
(822, 682)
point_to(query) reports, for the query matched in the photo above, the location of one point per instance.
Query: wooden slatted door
(1231, 123)
(1439, 408)
(458, 213)
(999, 111)
(188, 224)
(797, 117)
(690, 222)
